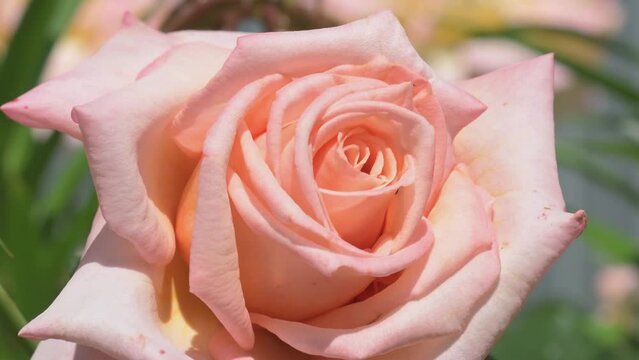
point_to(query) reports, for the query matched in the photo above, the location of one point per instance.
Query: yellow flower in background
(442, 29)
(10, 13)
(442, 20)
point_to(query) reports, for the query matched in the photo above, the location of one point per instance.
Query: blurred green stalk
(526, 36)
(12, 313)
(5, 248)
(11, 309)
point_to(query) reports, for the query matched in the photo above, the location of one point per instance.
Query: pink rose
(331, 196)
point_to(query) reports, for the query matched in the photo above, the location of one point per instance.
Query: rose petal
(114, 66)
(267, 347)
(511, 153)
(384, 69)
(96, 226)
(460, 108)
(214, 269)
(288, 106)
(296, 54)
(137, 170)
(276, 280)
(511, 146)
(430, 108)
(523, 263)
(444, 311)
(418, 143)
(334, 171)
(289, 276)
(301, 181)
(358, 219)
(326, 259)
(531, 239)
(109, 304)
(64, 350)
(463, 229)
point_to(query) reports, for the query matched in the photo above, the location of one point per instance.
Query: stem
(5, 248)
(607, 80)
(11, 309)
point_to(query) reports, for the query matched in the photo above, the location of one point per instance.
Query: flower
(328, 196)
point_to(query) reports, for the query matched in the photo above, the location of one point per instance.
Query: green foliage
(554, 40)
(597, 171)
(610, 243)
(558, 331)
(40, 257)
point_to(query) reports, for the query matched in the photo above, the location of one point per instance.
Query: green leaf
(70, 238)
(6, 250)
(614, 245)
(607, 334)
(608, 80)
(17, 152)
(61, 189)
(621, 49)
(11, 311)
(550, 331)
(11, 346)
(575, 158)
(43, 153)
(621, 148)
(43, 22)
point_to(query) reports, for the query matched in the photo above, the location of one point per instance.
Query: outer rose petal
(442, 312)
(510, 151)
(64, 350)
(109, 304)
(460, 202)
(214, 269)
(511, 147)
(464, 264)
(538, 237)
(299, 53)
(137, 170)
(112, 67)
(460, 108)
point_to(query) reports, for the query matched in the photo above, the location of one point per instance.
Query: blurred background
(588, 305)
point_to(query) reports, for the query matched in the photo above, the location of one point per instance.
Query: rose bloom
(328, 196)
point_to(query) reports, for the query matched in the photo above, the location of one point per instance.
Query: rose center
(361, 154)
(354, 160)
